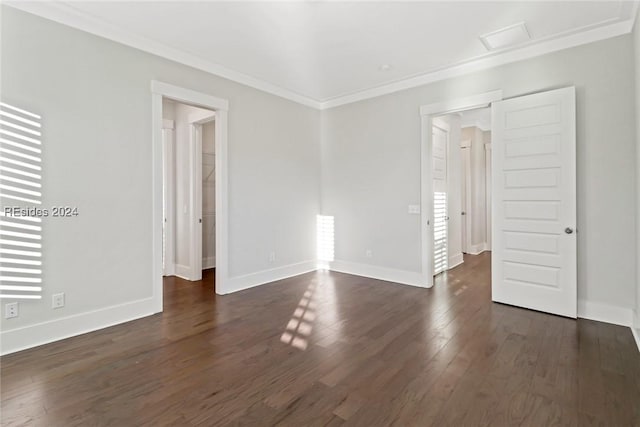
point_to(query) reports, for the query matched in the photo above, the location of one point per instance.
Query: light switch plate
(414, 209)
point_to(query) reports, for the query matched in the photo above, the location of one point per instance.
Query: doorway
(461, 219)
(184, 200)
(532, 195)
(430, 114)
(188, 189)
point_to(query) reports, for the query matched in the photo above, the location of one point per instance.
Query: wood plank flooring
(330, 349)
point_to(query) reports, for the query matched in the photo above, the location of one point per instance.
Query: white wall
(371, 170)
(95, 99)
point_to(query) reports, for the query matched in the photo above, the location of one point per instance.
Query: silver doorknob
(568, 230)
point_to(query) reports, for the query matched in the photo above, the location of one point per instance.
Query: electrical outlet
(369, 253)
(272, 256)
(57, 300)
(11, 310)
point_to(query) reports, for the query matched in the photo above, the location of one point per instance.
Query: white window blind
(20, 194)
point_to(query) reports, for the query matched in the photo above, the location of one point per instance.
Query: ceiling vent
(506, 37)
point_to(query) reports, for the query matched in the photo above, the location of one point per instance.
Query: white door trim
(465, 158)
(195, 199)
(488, 189)
(428, 113)
(437, 122)
(169, 172)
(221, 107)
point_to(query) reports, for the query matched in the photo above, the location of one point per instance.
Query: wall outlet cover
(57, 300)
(11, 310)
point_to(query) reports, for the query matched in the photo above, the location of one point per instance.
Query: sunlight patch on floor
(300, 325)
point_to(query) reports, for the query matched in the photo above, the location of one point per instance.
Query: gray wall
(94, 96)
(371, 164)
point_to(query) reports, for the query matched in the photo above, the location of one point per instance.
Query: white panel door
(440, 249)
(534, 202)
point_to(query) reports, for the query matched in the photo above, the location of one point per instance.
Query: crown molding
(484, 63)
(65, 14)
(68, 15)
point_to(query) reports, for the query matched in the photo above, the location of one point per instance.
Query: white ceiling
(325, 53)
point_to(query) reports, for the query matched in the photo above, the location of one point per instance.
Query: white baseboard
(605, 313)
(635, 329)
(209, 262)
(636, 334)
(170, 270)
(65, 327)
(381, 273)
(182, 271)
(239, 283)
(478, 248)
(456, 260)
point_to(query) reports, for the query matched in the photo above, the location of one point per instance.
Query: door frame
(427, 114)
(465, 146)
(168, 189)
(195, 188)
(161, 90)
(437, 122)
(488, 175)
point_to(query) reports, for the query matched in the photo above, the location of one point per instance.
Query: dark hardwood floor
(332, 349)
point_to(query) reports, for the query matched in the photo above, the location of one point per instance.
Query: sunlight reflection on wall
(325, 240)
(20, 194)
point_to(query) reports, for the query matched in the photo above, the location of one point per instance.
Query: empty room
(319, 213)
